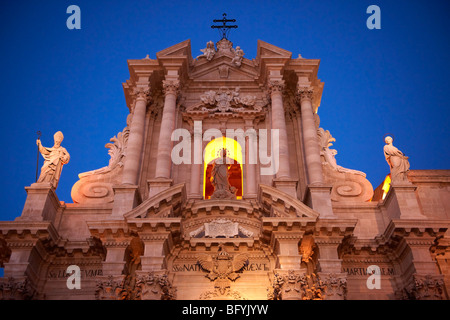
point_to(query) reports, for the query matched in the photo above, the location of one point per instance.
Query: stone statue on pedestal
(54, 159)
(397, 161)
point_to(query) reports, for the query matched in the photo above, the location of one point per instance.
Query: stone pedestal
(126, 197)
(286, 185)
(401, 202)
(318, 198)
(42, 204)
(158, 185)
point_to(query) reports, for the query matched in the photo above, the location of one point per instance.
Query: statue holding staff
(54, 159)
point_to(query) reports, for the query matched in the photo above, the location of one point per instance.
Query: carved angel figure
(238, 56)
(208, 52)
(222, 267)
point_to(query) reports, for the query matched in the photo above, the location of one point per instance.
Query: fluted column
(164, 161)
(135, 142)
(309, 133)
(279, 122)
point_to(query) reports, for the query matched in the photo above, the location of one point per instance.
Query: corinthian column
(279, 122)
(162, 179)
(319, 194)
(164, 161)
(312, 151)
(136, 138)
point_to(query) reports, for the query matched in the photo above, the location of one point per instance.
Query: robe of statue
(219, 179)
(398, 163)
(54, 159)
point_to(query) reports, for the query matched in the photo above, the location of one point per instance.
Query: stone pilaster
(286, 245)
(155, 245)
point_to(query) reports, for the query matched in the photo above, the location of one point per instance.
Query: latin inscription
(62, 273)
(363, 271)
(196, 267)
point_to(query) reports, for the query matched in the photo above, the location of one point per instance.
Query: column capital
(171, 86)
(304, 93)
(275, 85)
(142, 93)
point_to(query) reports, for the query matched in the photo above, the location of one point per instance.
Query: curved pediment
(276, 203)
(165, 204)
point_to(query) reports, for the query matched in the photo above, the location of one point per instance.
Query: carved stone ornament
(225, 100)
(222, 268)
(110, 289)
(296, 286)
(304, 93)
(307, 248)
(142, 93)
(425, 287)
(171, 86)
(96, 186)
(221, 228)
(208, 52)
(335, 286)
(14, 289)
(348, 184)
(224, 44)
(154, 287)
(238, 56)
(276, 86)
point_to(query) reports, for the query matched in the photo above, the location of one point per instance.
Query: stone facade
(146, 226)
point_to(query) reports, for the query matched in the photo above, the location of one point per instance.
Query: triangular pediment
(182, 49)
(269, 50)
(221, 68)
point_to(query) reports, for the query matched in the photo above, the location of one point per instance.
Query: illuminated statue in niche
(219, 179)
(54, 159)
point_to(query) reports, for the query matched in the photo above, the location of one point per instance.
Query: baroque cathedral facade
(222, 186)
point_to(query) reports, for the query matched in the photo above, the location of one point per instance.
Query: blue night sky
(376, 81)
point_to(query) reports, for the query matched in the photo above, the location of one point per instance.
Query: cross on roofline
(224, 28)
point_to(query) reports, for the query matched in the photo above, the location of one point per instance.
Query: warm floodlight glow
(386, 185)
(213, 151)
